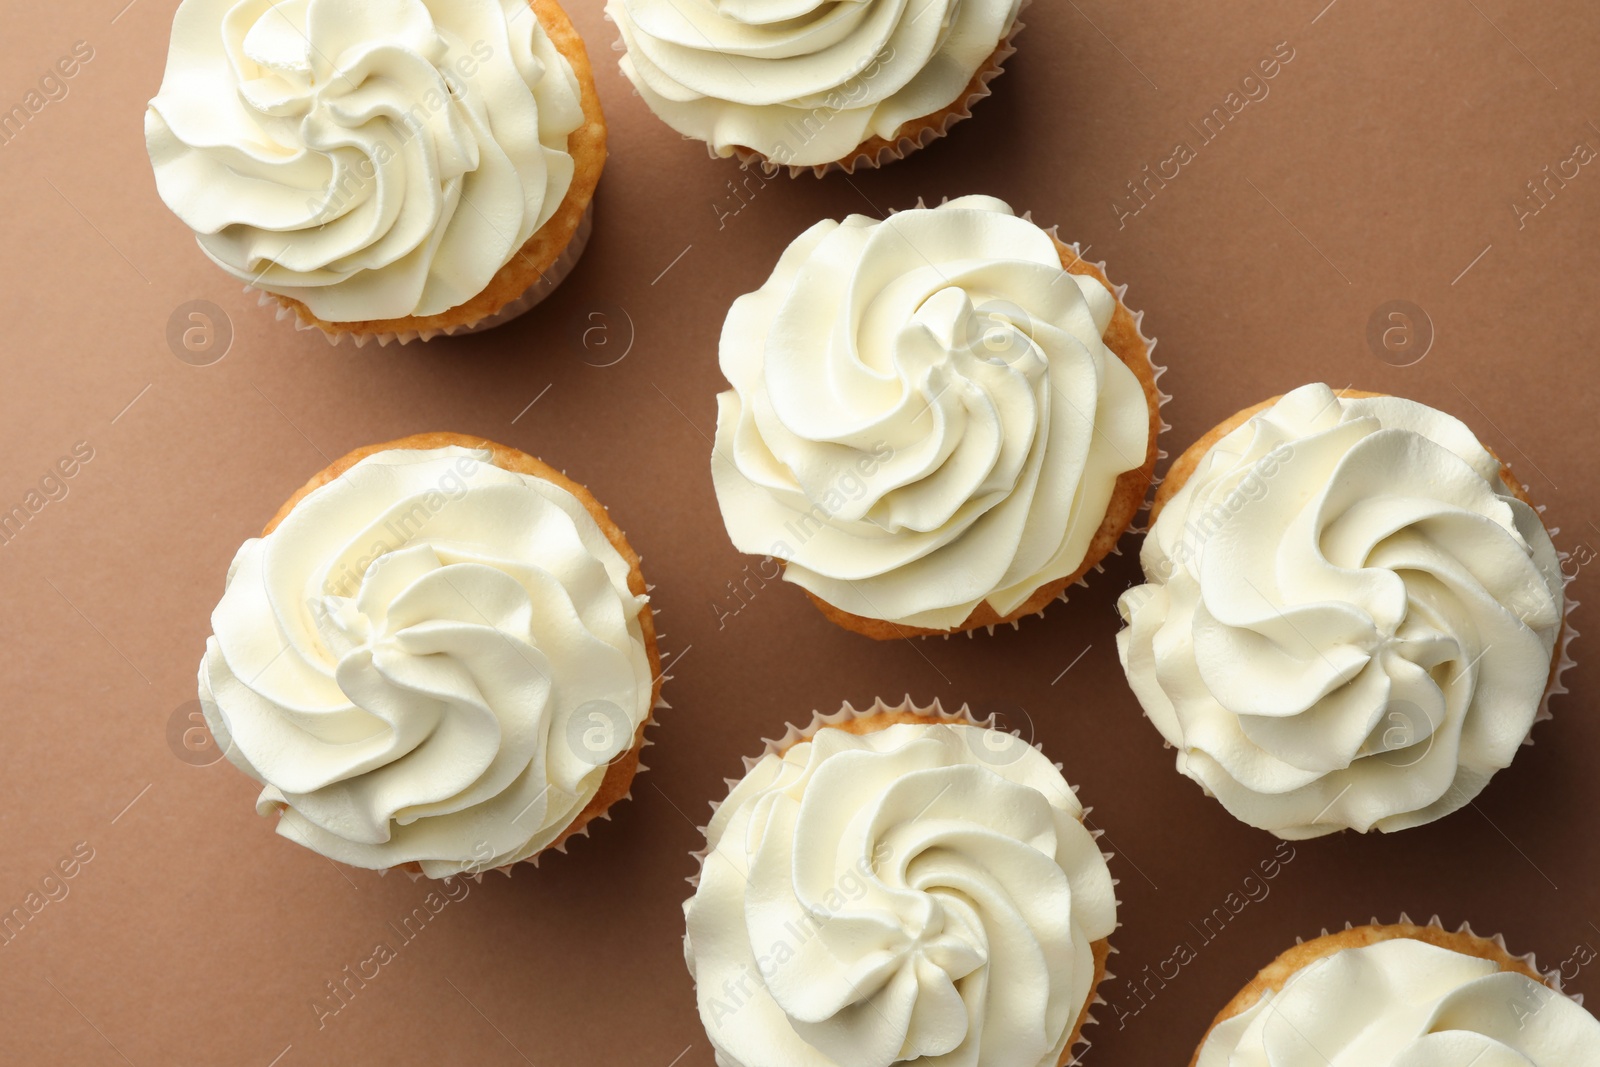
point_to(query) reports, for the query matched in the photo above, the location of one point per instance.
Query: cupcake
(395, 169)
(1352, 614)
(438, 656)
(938, 421)
(898, 885)
(1402, 996)
(811, 84)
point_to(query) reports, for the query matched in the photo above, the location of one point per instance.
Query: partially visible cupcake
(439, 655)
(814, 84)
(898, 886)
(1352, 614)
(938, 421)
(394, 169)
(1402, 996)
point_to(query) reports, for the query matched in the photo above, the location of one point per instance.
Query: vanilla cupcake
(394, 169)
(814, 84)
(938, 421)
(898, 886)
(1402, 996)
(1352, 614)
(437, 656)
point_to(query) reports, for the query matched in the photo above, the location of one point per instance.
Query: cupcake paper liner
(792, 735)
(546, 284)
(962, 716)
(1563, 657)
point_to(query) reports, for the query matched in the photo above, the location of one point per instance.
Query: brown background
(1386, 158)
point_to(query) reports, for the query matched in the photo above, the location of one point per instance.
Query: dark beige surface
(1385, 160)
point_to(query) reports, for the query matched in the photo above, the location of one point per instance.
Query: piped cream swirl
(430, 659)
(924, 416)
(921, 894)
(1406, 1003)
(1349, 619)
(372, 160)
(804, 82)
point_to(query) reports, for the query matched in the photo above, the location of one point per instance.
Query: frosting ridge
(911, 894)
(1348, 619)
(804, 82)
(372, 161)
(1406, 1003)
(429, 659)
(924, 416)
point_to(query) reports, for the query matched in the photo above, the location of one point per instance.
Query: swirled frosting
(372, 160)
(923, 415)
(430, 659)
(804, 82)
(923, 894)
(1406, 1003)
(1349, 619)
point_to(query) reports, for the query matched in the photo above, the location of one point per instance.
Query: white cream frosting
(372, 160)
(1349, 619)
(430, 659)
(804, 82)
(921, 894)
(1406, 1003)
(924, 416)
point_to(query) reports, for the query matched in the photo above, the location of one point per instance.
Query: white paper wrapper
(962, 716)
(885, 154)
(1563, 656)
(531, 296)
(793, 735)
